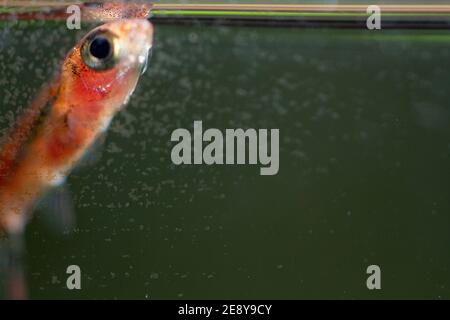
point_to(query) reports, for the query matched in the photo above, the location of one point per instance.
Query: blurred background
(364, 176)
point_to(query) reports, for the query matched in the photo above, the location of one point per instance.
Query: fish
(96, 80)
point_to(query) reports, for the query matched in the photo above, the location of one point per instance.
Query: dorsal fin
(14, 140)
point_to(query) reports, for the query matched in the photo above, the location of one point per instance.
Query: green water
(364, 176)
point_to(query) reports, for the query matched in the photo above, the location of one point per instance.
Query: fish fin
(94, 153)
(12, 271)
(57, 210)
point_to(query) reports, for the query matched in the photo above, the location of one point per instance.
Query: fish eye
(100, 48)
(100, 51)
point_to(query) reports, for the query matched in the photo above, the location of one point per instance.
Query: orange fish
(97, 78)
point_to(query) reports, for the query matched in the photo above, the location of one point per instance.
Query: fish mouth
(146, 57)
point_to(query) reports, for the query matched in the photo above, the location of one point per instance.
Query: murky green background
(364, 176)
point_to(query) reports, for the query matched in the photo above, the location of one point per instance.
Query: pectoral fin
(12, 275)
(57, 210)
(94, 154)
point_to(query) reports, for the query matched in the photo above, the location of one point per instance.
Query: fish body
(97, 78)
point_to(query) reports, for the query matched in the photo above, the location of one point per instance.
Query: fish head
(105, 66)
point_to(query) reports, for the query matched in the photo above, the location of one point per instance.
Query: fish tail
(12, 273)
